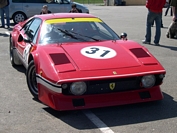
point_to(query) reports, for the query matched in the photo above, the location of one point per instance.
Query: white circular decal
(98, 52)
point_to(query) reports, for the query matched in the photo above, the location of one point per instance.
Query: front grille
(114, 85)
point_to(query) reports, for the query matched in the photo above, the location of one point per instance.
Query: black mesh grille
(116, 85)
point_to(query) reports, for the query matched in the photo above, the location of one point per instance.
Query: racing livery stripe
(52, 21)
(48, 84)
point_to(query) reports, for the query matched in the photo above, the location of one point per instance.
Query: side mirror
(123, 36)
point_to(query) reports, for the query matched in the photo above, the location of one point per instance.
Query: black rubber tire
(31, 79)
(11, 52)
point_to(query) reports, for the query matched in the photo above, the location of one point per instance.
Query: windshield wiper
(85, 36)
(67, 33)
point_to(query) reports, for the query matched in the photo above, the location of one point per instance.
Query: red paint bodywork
(76, 67)
(60, 102)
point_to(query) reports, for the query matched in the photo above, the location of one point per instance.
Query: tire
(11, 52)
(31, 79)
(14, 58)
(19, 17)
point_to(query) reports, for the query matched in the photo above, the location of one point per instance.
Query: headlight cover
(148, 81)
(78, 88)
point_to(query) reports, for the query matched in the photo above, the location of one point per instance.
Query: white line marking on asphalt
(101, 125)
(7, 33)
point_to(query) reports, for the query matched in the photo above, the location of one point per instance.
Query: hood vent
(59, 58)
(139, 52)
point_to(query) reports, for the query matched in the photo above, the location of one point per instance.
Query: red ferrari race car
(76, 61)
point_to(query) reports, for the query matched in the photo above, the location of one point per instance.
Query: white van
(19, 10)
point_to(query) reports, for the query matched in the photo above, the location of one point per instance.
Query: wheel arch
(35, 57)
(30, 58)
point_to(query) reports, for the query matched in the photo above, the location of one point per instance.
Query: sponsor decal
(63, 20)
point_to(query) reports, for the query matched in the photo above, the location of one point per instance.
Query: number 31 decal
(98, 52)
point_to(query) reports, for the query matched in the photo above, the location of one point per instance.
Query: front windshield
(75, 30)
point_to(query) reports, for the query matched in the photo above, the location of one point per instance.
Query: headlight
(78, 88)
(148, 81)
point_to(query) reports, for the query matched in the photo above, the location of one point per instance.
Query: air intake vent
(59, 58)
(145, 95)
(139, 52)
(78, 102)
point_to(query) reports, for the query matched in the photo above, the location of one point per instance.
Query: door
(29, 32)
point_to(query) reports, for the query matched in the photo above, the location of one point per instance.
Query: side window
(66, 1)
(33, 29)
(26, 26)
(18, 1)
(50, 1)
(35, 1)
(57, 1)
(35, 37)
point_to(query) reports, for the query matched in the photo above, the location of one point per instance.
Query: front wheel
(31, 79)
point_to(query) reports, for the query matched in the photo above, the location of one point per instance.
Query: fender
(44, 65)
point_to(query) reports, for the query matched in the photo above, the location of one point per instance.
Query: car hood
(107, 55)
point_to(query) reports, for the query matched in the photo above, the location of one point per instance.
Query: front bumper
(62, 102)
